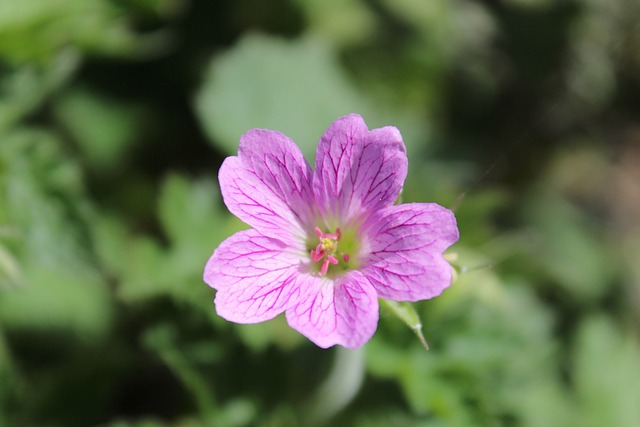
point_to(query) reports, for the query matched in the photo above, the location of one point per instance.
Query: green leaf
(46, 221)
(144, 272)
(24, 89)
(343, 22)
(191, 212)
(295, 87)
(259, 336)
(35, 31)
(405, 312)
(162, 340)
(607, 374)
(564, 244)
(42, 200)
(102, 128)
(57, 301)
(194, 221)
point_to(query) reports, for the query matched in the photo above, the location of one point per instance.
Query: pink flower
(326, 243)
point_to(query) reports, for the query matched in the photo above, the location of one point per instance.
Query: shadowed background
(521, 115)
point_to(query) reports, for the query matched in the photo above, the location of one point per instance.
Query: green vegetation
(522, 115)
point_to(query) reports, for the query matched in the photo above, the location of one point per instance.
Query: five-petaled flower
(326, 243)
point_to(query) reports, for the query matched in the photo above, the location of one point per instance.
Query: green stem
(340, 387)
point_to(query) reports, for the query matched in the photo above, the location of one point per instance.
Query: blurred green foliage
(522, 115)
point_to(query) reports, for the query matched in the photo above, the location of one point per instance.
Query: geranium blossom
(326, 243)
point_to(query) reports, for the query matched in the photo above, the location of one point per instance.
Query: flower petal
(256, 277)
(268, 185)
(344, 311)
(356, 170)
(402, 250)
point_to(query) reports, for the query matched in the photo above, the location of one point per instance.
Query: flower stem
(339, 388)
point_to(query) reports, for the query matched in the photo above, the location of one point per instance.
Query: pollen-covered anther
(328, 245)
(327, 249)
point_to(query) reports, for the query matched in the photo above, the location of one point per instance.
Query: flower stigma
(327, 250)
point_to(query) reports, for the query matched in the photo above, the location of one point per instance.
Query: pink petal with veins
(268, 185)
(256, 277)
(358, 171)
(404, 245)
(343, 311)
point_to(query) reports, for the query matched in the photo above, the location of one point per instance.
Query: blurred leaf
(482, 365)
(258, 337)
(192, 214)
(433, 18)
(342, 22)
(161, 339)
(42, 200)
(57, 301)
(476, 211)
(545, 402)
(143, 272)
(103, 129)
(449, 30)
(417, 373)
(195, 223)
(564, 244)
(478, 283)
(24, 89)
(295, 87)
(36, 30)
(149, 271)
(111, 243)
(607, 374)
(590, 78)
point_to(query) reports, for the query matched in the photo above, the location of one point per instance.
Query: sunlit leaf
(295, 87)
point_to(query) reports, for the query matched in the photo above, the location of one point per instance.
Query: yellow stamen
(328, 245)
